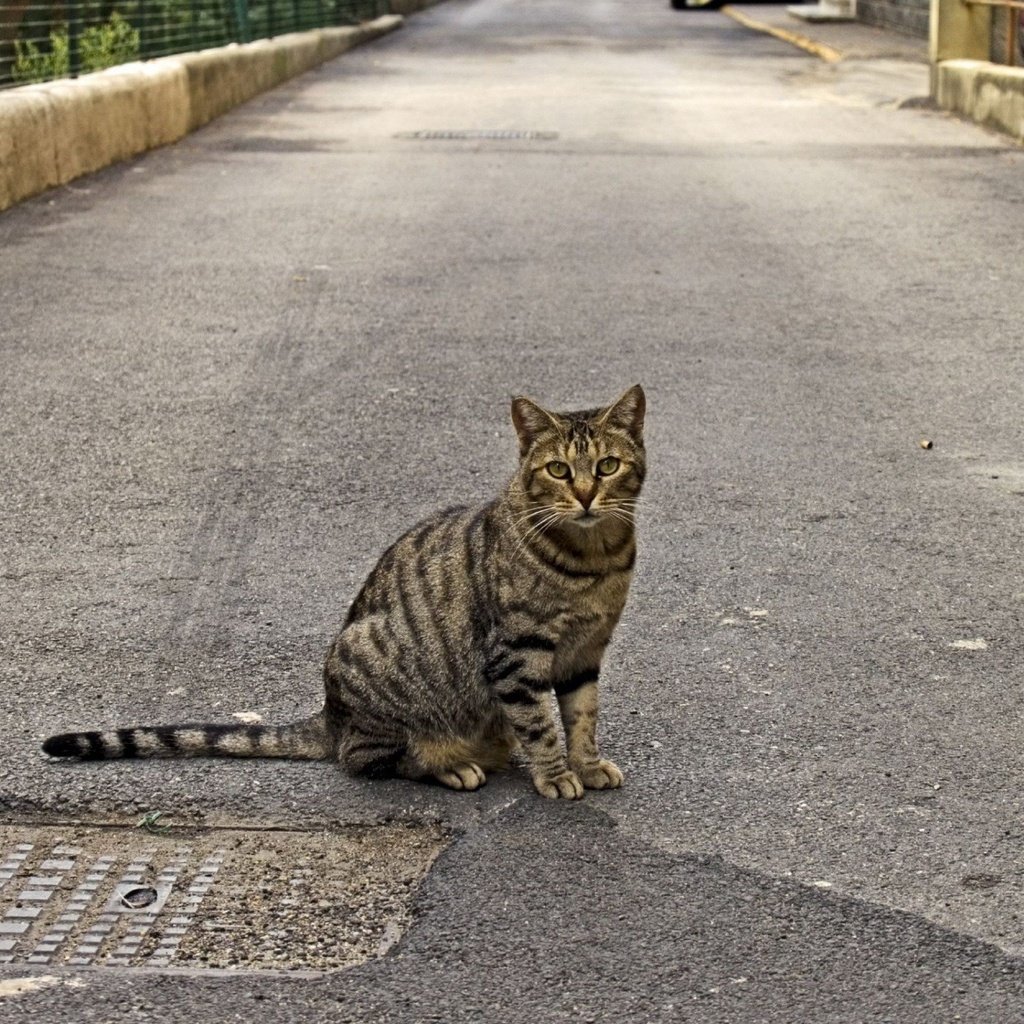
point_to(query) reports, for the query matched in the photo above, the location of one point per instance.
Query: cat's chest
(588, 618)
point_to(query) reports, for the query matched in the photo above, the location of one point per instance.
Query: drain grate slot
(499, 134)
(239, 899)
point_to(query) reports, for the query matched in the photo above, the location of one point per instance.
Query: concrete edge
(990, 94)
(825, 53)
(57, 131)
(410, 6)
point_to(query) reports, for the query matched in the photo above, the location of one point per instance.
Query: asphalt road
(234, 369)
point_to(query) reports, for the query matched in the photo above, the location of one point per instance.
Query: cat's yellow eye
(607, 466)
(559, 470)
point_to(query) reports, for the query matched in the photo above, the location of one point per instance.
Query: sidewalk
(884, 66)
(858, 64)
(832, 41)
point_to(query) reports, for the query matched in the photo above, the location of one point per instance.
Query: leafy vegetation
(45, 47)
(101, 46)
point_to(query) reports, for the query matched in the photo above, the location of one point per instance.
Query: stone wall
(908, 16)
(57, 131)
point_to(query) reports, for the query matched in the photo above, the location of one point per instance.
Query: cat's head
(586, 467)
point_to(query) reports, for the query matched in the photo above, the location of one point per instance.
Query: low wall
(410, 6)
(58, 131)
(991, 94)
(907, 16)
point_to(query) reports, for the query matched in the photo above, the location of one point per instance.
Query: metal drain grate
(224, 898)
(500, 134)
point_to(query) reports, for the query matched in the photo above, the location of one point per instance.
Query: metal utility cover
(232, 898)
(499, 134)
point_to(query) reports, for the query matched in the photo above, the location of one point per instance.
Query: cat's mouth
(586, 518)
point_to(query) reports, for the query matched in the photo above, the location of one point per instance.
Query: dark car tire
(711, 5)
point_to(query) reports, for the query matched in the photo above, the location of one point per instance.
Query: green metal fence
(43, 41)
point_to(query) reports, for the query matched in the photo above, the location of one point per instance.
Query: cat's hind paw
(600, 774)
(466, 776)
(565, 786)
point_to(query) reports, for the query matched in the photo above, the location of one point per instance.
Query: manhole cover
(237, 899)
(478, 133)
(269, 144)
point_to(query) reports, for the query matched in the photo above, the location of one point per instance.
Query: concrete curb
(826, 53)
(58, 131)
(991, 94)
(410, 6)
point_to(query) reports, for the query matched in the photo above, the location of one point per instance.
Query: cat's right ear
(628, 412)
(530, 421)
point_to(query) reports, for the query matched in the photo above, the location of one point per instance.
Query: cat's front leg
(520, 673)
(577, 700)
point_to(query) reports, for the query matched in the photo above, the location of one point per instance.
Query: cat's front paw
(466, 776)
(600, 774)
(564, 785)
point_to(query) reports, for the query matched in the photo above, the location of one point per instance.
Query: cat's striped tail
(304, 741)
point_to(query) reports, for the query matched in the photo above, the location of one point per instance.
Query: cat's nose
(585, 496)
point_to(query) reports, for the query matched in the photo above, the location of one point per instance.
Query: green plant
(101, 46)
(104, 46)
(149, 822)
(34, 65)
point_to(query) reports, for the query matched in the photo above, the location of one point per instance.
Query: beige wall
(962, 77)
(55, 132)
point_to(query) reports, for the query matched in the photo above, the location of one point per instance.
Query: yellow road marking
(826, 53)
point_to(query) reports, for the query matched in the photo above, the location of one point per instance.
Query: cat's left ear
(530, 421)
(628, 412)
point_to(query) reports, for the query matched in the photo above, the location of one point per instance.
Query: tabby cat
(449, 654)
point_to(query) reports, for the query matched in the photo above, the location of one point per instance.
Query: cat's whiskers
(612, 511)
(625, 506)
(536, 521)
(553, 516)
(530, 513)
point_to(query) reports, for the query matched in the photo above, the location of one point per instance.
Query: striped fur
(468, 625)
(305, 741)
